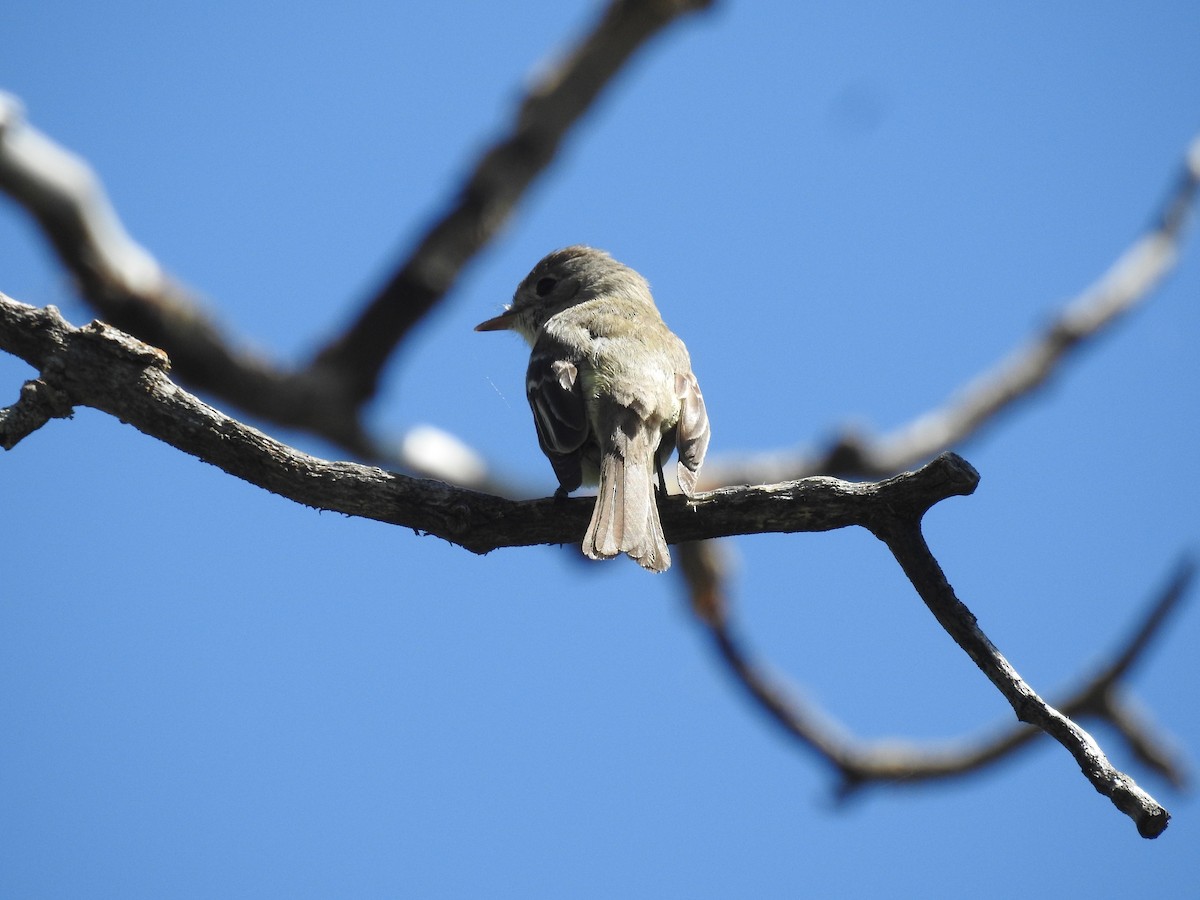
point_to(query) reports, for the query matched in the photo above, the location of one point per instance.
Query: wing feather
(692, 433)
(556, 398)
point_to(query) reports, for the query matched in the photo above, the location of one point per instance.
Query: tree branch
(1129, 281)
(898, 525)
(38, 403)
(553, 105)
(124, 282)
(131, 290)
(101, 367)
(900, 529)
(861, 763)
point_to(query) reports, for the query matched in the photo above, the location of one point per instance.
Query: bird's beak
(502, 322)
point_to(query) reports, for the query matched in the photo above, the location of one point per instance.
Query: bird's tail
(625, 518)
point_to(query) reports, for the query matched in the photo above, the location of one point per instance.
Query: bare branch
(1133, 724)
(860, 763)
(1103, 697)
(897, 523)
(132, 291)
(63, 194)
(1128, 282)
(900, 530)
(554, 103)
(38, 403)
(101, 367)
(1141, 637)
(705, 571)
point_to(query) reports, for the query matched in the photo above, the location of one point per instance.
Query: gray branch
(101, 367)
(104, 368)
(900, 530)
(555, 102)
(131, 290)
(860, 763)
(1127, 283)
(39, 402)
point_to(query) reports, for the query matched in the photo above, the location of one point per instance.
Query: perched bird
(612, 393)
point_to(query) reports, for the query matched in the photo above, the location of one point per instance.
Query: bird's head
(563, 279)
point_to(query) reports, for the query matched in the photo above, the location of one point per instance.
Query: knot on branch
(124, 345)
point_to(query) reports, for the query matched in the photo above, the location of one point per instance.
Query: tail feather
(625, 517)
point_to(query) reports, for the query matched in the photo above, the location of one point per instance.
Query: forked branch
(131, 290)
(860, 764)
(101, 367)
(1129, 281)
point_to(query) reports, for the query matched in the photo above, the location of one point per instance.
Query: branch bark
(38, 403)
(131, 290)
(900, 530)
(101, 367)
(861, 763)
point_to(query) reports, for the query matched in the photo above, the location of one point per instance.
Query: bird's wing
(556, 398)
(692, 434)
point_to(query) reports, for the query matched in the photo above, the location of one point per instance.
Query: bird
(612, 393)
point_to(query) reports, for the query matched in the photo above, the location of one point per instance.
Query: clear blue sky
(206, 690)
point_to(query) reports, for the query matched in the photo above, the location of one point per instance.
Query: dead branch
(124, 282)
(101, 367)
(1129, 281)
(131, 290)
(553, 105)
(38, 403)
(860, 764)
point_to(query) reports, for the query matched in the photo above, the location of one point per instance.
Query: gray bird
(612, 393)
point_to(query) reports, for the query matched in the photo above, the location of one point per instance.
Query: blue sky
(209, 691)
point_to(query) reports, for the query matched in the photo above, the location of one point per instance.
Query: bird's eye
(545, 286)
